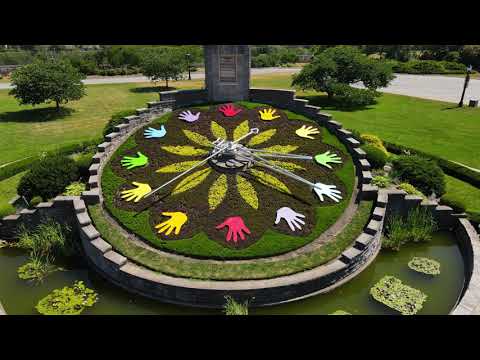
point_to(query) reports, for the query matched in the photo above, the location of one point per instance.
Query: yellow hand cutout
(307, 131)
(267, 114)
(138, 193)
(176, 221)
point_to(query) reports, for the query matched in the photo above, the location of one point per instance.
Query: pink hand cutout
(229, 110)
(236, 227)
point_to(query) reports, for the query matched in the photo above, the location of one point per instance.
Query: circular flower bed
(229, 181)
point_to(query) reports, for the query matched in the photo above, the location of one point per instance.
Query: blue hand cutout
(154, 133)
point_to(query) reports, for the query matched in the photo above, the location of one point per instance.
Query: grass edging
(207, 270)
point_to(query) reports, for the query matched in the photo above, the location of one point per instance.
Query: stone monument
(227, 72)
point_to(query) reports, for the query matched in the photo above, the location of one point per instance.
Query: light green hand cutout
(327, 157)
(131, 162)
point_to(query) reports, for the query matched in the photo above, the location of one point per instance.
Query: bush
(456, 204)
(375, 141)
(381, 181)
(425, 67)
(454, 67)
(48, 177)
(75, 189)
(116, 119)
(84, 161)
(350, 97)
(375, 156)
(67, 301)
(35, 200)
(422, 173)
(409, 189)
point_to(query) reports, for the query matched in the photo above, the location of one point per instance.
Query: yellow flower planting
(191, 181)
(241, 130)
(262, 137)
(284, 149)
(197, 138)
(287, 165)
(218, 131)
(217, 192)
(270, 181)
(247, 192)
(177, 167)
(184, 150)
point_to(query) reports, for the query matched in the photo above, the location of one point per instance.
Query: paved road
(442, 88)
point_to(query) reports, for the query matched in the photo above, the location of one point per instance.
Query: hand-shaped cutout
(188, 116)
(306, 132)
(229, 110)
(131, 162)
(292, 218)
(268, 114)
(176, 221)
(327, 190)
(151, 133)
(236, 227)
(136, 194)
(327, 157)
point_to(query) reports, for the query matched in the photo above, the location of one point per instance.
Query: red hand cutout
(236, 226)
(229, 110)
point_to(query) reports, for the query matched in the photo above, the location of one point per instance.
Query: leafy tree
(163, 65)
(46, 80)
(470, 55)
(333, 69)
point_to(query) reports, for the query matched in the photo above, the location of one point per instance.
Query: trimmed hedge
(18, 166)
(116, 119)
(456, 204)
(375, 156)
(450, 168)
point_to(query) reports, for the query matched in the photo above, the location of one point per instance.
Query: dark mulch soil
(195, 201)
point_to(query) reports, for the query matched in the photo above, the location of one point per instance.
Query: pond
(20, 297)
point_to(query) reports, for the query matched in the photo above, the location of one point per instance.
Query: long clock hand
(220, 146)
(280, 155)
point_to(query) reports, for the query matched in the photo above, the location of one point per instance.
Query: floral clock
(233, 173)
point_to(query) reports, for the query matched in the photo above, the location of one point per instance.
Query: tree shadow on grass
(330, 104)
(151, 89)
(36, 115)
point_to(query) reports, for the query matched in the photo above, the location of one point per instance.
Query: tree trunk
(166, 80)
(58, 105)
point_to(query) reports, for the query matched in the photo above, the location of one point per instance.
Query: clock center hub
(233, 159)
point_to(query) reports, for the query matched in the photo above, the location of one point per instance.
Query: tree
(46, 80)
(333, 69)
(165, 64)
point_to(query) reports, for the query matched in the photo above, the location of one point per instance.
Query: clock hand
(281, 155)
(221, 145)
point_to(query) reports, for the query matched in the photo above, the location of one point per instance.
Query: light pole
(188, 64)
(465, 85)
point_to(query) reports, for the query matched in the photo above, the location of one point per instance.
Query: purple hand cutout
(236, 226)
(292, 218)
(188, 116)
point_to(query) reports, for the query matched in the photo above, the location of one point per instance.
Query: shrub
(232, 307)
(48, 177)
(116, 119)
(391, 292)
(422, 173)
(75, 189)
(350, 97)
(425, 67)
(375, 156)
(417, 226)
(409, 189)
(67, 301)
(456, 204)
(35, 200)
(375, 141)
(83, 161)
(424, 265)
(381, 181)
(454, 67)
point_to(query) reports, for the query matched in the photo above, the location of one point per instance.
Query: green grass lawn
(8, 189)
(464, 192)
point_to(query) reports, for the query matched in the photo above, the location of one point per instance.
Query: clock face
(233, 173)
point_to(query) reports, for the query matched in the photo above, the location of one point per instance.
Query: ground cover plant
(251, 196)
(424, 265)
(68, 300)
(261, 269)
(391, 292)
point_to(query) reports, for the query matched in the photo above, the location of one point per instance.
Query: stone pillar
(227, 72)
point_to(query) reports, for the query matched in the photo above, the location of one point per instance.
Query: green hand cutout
(131, 162)
(326, 157)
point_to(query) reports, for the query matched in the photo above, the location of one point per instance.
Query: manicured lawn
(464, 192)
(8, 189)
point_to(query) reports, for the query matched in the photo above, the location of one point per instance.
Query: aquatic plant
(67, 301)
(391, 292)
(424, 265)
(232, 307)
